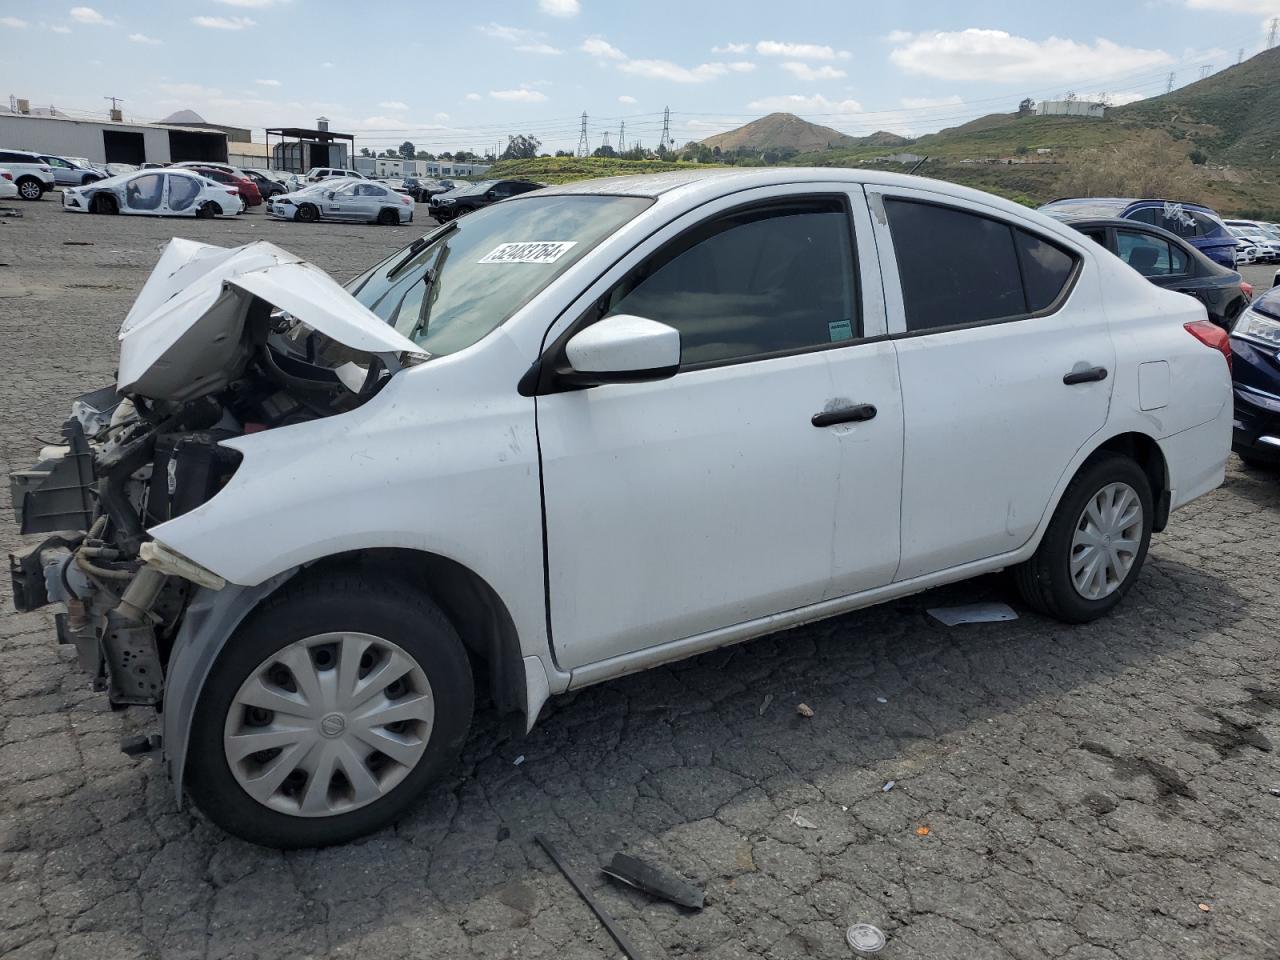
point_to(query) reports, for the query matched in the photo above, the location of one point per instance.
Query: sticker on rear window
(528, 251)
(840, 330)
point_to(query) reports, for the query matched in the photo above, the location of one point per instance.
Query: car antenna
(919, 163)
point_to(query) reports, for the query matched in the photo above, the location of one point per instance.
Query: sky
(467, 75)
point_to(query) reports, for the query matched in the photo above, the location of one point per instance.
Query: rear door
(1006, 364)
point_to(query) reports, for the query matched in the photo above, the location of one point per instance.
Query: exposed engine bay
(219, 344)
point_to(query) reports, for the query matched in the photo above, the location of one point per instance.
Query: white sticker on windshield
(528, 251)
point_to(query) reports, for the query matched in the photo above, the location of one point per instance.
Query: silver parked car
(70, 172)
(361, 200)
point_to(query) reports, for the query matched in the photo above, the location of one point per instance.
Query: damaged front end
(220, 343)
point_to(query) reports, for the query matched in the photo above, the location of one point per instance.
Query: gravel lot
(1088, 793)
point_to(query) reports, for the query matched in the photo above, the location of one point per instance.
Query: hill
(779, 131)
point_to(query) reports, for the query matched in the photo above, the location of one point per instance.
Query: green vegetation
(569, 169)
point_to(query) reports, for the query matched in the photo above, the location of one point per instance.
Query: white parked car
(353, 200)
(32, 175)
(159, 193)
(1267, 248)
(583, 432)
(8, 189)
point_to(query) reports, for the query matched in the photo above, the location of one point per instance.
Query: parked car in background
(347, 199)
(1255, 348)
(69, 173)
(1169, 261)
(242, 182)
(424, 188)
(316, 174)
(32, 175)
(1198, 225)
(1253, 233)
(8, 189)
(116, 169)
(268, 186)
(157, 193)
(473, 196)
(1246, 252)
(580, 427)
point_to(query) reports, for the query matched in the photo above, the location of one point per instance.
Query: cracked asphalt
(1083, 793)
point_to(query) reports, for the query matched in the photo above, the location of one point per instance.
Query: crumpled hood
(183, 335)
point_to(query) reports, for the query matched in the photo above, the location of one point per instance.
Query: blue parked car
(1198, 225)
(1255, 374)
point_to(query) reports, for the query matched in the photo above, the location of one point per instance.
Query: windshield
(468, 277)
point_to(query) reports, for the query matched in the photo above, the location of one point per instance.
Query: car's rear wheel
(208, 210)
(307, 213)
(1095, 544)
(29, 188)
(104, 203)
(388, 217)
(328, 713)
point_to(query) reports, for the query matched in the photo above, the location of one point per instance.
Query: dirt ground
(1085, 793)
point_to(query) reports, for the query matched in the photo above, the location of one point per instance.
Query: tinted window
(751, 283)
(1046, 269)
(182, 191)
(956, 267)
(1150, 256)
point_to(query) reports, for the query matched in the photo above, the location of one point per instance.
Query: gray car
(71, 173)
(359, 200)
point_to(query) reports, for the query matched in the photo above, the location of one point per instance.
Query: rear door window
(1150, 256)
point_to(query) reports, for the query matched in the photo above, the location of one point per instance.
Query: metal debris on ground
(973, 613)
(605, 918)
(889, 785)
(1274, 791)
(654, 880)
(768, 699)
(518, 760)
(881, 700)
(804, 710)
(803, 823)
(865, 938)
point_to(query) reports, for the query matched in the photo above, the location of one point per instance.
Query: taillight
(1211, 335)
(1246, 289)
(7, 175)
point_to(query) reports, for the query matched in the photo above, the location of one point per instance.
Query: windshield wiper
(416, 247)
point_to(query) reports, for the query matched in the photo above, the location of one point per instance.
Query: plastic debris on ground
(881, 700)
(518, 760)
(865, 938)
(768, 699)
(804, 710)
(802, 822)
(922, 831)
(973, 613)
(1205, 908)
(654, 880)
(889, 785)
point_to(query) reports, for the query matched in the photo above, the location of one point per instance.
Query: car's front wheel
(328, 713)
(1095, 544)
(307, 213)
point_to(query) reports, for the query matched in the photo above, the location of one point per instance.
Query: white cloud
(800, 51)
(796, 103)
(666, 70)
(560, 8)
(802, 71)
(975, 54)
(627, 99)
(1256, 7)
(474, 96)
(60, 29)
(328, 64)
(731, 48)
(517, 96)
(600, 47)
(247, 3)
(442, 117)
(90, 15)
(224, 23)
(267, 83)
(543, 48)
(14, 22)
(526, 41)
(143, 38)
(898, 36)
(741, 66)
(393, 105)
(924, 103)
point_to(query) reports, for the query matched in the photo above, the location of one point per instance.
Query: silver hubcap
(1106, 541)
(329, 724)
(30, 190)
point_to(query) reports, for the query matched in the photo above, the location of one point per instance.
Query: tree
(424, 155)
(564, 153)
(604, 151)
(1022, 150)
(366, 152)
(407, 150)
(521, 147)
(1198, 157)
(1026, 107)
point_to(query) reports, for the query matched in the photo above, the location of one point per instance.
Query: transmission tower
(622, 136)
(1206, 70)
(604, 142)
(1240, 57)
(1273, 32)
(584, 149)
(1168, 87)
(665, 143)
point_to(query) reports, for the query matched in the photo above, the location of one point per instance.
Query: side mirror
(622, 349)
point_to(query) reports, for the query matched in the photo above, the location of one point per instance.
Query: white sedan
(343, 199)
(8, 189)
(586, 431)
(156, 193)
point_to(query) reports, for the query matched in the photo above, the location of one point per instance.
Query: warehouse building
(107, 141)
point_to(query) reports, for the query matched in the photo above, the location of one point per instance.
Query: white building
(1071, 108)
(108, 141)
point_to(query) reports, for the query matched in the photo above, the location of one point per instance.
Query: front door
(723, 494)
(1007, 366)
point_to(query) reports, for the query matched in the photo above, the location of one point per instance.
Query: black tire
(335, 602)
(88, 179)
(307, 213)
(1045, 581)
(388, 217)
(208, 210)
(1257, 463)
(104, 203)
(29, 188)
